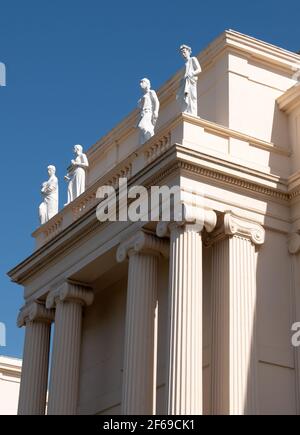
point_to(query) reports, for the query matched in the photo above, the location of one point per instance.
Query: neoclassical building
(177, 317)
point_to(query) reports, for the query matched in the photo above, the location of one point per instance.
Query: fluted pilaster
(184, 381)
(33, 388)
(69, 300)
(138, 377)
(234, 347)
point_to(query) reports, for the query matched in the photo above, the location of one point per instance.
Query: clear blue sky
(73, 68)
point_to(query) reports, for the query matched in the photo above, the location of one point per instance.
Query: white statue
(187, 93)
(149, 108)
(76, 174)
(49, 207)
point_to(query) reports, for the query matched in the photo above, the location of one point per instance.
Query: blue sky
(73, 68)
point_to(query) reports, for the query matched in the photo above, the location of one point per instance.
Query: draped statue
(187, 93)
(149, 108)
(49, 207)
(77, 174)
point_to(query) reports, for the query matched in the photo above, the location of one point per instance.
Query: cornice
(262, 50)
(234, 181)
(122, 169)
(88, 223)
(294, 187)
(152, 150)
(290, 100)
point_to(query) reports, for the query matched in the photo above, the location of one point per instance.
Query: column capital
(70, 291)
(191, 216)
(142, 242)
(294, 244)
(235, 225)
(34, 312)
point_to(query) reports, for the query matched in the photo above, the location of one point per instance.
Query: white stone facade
(185, 319)
(10, 378)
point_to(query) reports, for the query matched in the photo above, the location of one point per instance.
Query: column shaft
(234, 379)
(64, 379)
(184, 389)
(138, 376)
(33, 388)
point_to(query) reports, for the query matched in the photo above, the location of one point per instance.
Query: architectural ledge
(10, 367)
(173, 143)
(262, 50)
(181, 146)
(220, 130)
(290, 100)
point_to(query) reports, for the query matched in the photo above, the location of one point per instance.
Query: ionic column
(143, 251)
(184, 382)
(294, 250)
(34, 379)
(68, 301)
(234, 353)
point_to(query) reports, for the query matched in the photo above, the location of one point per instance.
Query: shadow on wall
(271, 336)
(274, 370)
